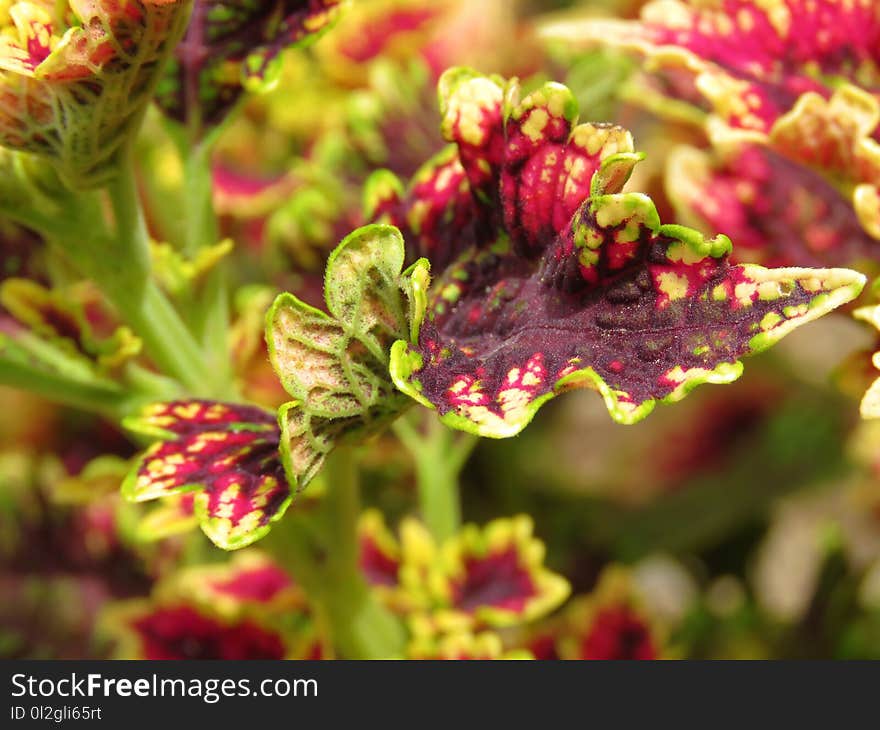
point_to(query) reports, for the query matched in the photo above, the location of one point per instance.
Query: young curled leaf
(225, 454)
(75, 77)
(335, 363)
(516, 172)
(573, 284)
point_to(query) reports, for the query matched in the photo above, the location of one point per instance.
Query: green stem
(210, 306)
(121, 268)
(439, 456)
(94, 396)
(322, 552)
(201, 221)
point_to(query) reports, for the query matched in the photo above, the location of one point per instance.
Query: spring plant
(282, 281)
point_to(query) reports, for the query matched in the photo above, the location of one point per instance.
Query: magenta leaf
(750, 60)
(568, 283)
(777, 211)
(230, 46)
(226, 454)
(802, 77)
(182, 632)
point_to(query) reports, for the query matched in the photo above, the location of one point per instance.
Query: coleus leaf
(568, 283)
(836, 137)
(245, 608)
(249, 584)
(75, 77)
(777, 211)
(380, 29)
(482, 576)
(60, 318)
(802, 77)
(379, 553)
(751, 60)
(611, 623)
(839, 138)
(172, 516)
(235, 45)
(870, 405)
(463, 645)
(335, 363)
(225, 454)
(178, 274)
(148, 630)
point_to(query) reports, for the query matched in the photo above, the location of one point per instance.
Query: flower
(555, 280)
(75, 77)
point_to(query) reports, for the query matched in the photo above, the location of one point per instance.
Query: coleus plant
(557, 280)
(549, 279)
(335, 365)
(480, 578)
(76, 77)
(454, 598)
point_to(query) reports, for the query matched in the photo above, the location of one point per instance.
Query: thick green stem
(201, 221)
(322, 551)
(120, 266)
(438, 455)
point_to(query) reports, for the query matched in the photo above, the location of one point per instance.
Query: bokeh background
(743, 522)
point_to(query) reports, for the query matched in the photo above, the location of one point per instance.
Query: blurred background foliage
(748, 515)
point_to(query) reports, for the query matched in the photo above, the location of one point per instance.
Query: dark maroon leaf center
(618, 633)
(183, 633)
(497, 580)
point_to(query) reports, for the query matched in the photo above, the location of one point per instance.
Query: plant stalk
(322, 552)
(439, 454)
(120, 266)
